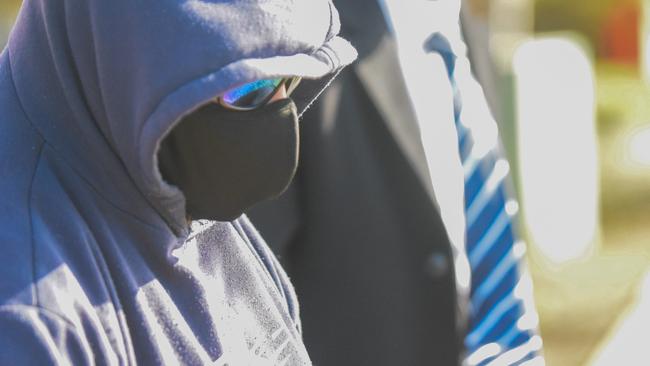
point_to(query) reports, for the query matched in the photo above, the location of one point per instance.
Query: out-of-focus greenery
(8, 8)
(583, 16)
(581, 303)
(8, 11)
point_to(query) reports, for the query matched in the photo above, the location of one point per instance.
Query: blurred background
(569, 83)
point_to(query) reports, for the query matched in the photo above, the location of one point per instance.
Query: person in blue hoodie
(102, 261)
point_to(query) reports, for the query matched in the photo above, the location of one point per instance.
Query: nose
(281, 93)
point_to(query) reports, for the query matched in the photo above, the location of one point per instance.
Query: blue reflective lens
(251, 94)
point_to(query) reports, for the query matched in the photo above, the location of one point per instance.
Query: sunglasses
(256, 94)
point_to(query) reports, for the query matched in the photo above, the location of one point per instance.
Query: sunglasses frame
(291, 83)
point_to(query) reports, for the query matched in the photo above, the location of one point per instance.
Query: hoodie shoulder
(20, 148)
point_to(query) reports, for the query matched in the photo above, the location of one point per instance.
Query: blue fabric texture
(101, 266)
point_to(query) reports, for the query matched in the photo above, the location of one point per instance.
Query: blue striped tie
(502, 321)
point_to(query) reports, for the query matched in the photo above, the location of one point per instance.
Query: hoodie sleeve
(34, 336)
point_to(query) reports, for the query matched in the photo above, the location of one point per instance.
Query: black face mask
(225, 161)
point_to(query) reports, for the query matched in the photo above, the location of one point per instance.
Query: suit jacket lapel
(378, 72)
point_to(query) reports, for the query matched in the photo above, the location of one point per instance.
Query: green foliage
(583, 16)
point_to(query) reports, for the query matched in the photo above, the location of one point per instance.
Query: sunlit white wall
(557, 146)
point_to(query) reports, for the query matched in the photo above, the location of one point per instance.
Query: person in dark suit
(359, 230)
(368, 230)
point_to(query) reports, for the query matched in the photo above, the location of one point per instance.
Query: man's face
(225, 160)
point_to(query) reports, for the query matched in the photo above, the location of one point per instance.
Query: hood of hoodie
(104, 81)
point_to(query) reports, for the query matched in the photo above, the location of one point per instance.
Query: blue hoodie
(99, 263)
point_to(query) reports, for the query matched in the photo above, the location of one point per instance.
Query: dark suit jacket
(359, 231)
